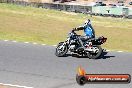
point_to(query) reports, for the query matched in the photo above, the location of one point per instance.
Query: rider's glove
(74, 29)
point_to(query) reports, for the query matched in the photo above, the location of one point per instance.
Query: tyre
(61, 49)
(97, 54)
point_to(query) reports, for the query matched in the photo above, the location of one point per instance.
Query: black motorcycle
(76, 44)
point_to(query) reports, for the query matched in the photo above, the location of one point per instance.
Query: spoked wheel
(96, 54)
(61, 49)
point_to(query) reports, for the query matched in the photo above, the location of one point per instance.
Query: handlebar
(73, 31)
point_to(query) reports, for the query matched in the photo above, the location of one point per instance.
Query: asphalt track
(36, 66)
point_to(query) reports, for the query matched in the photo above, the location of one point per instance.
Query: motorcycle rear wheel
(95, 55)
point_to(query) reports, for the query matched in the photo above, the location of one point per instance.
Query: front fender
(64, 43)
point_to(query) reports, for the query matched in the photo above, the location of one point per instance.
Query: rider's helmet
(87, 21)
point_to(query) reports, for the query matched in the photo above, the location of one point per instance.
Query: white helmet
(87, 21)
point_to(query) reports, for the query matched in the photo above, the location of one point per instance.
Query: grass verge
(50, 26)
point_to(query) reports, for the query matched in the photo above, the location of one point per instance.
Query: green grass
(50, 26)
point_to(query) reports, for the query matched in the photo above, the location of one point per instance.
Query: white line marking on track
(6, 40)
(35, 43)
(26, 42)
(43, 44)
(14, 85)
(14, 41)
(108, 50)
(54, 45)
(119, 51)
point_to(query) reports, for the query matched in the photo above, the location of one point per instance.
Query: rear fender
(99, 41)
(103, 40)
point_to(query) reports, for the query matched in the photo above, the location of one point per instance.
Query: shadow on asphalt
(103, 56)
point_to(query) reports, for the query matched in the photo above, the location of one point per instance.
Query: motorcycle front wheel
(61, 49)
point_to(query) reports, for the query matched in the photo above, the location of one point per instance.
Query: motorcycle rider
(88, 30)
